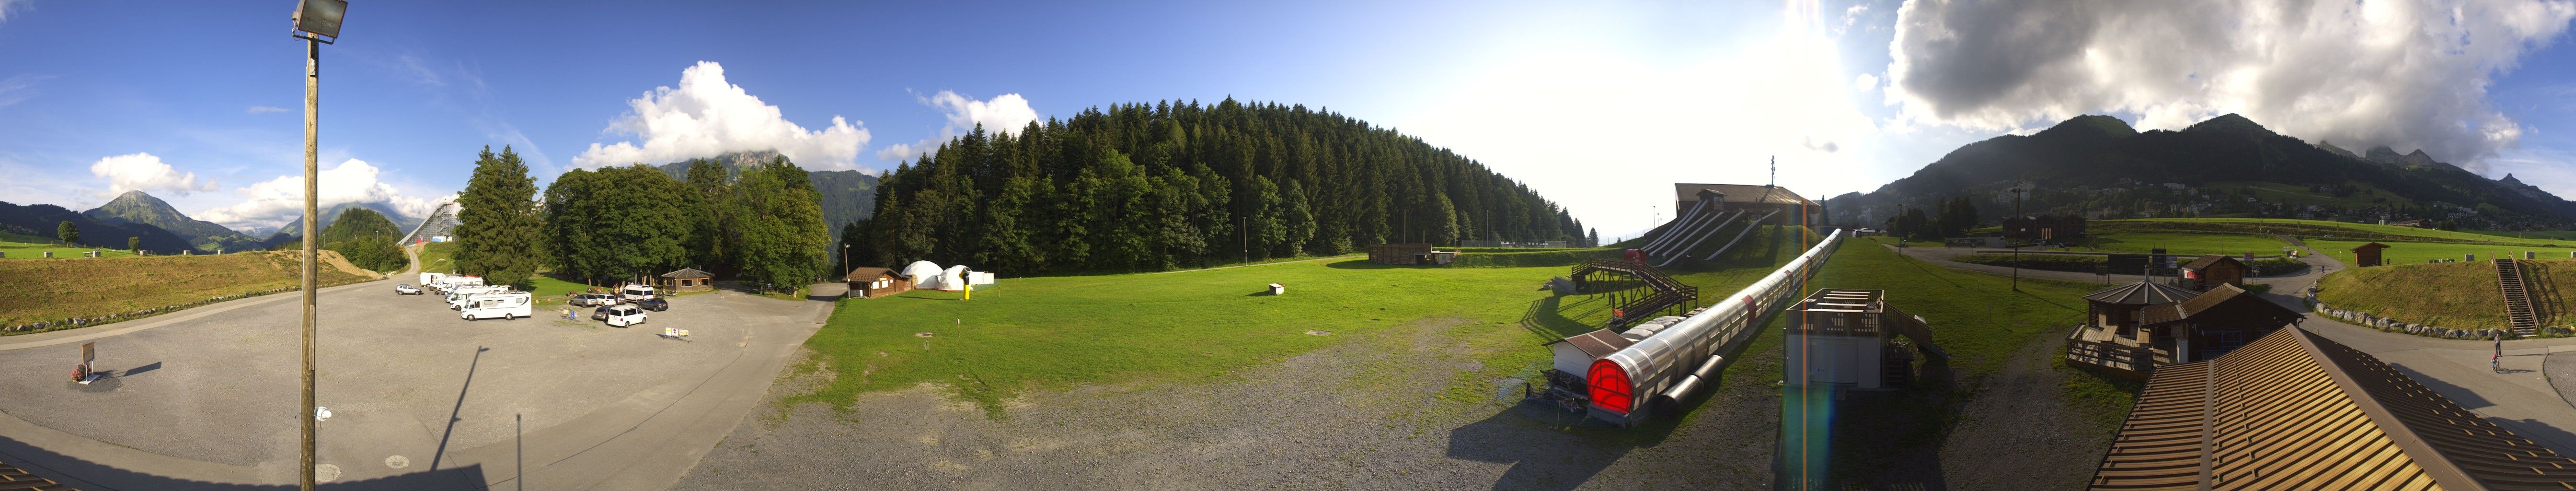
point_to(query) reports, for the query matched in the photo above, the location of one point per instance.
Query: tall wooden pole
(312, 100)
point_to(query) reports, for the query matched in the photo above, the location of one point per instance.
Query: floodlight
(319, 20)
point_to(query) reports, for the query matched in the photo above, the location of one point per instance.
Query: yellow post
(970, 292)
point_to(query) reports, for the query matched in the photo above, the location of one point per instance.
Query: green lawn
(2185, 243)
(2552, 235)
(2418, 252)
(1053, 332)
(438, 257)
(31, 250)
(2301, 228)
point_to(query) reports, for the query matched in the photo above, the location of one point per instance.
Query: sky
(1597, 105)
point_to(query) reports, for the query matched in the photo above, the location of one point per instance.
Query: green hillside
(49, 291)
(143, 208)
(36, 250)
(366, 238)
(2418, 252)
(2450, 295)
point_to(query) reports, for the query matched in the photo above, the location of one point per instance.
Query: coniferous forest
(1170, 185)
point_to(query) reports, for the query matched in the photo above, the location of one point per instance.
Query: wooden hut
(2212, 270)
(876, 282)
(2367, 255)
(2138, 327)
(688, 280)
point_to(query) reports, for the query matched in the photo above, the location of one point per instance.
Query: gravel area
(2019, 433)
(1359, 415)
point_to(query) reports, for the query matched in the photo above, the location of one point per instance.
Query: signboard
(89, 352)
(2127, 263)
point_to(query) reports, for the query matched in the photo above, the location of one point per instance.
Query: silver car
(406, 290)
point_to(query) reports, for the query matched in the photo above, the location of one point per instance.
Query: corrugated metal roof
(1598, 343)
(2141, 293)
(2370, 246)
(1740, 194)
(15, 479)
(2294, 410)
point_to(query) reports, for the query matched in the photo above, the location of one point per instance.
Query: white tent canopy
(925, 274)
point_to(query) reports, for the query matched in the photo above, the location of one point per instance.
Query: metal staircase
(2517, 298)
(1662, 291)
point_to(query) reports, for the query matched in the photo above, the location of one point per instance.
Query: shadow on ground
(83, 474)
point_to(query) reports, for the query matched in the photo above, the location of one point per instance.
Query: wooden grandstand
(2294, 410)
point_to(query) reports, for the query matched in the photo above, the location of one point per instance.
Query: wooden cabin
(688, 280)
(2134, 328)
(2367, 255)
(876, 282)
(2212, 270)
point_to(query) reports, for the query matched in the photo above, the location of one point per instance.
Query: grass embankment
(2532, 235)
(48, 291)
(2086, 263)
(2307, 229)
(37, 250)
(2143, 241)
(2449, 295)
(2419, 252)
(1982, 322)
(1193, 326)
(437, 257)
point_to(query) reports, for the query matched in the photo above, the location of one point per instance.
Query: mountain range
(164, 229)
(847, 195)
(293, 231)
(2100, 167)
(138, 207)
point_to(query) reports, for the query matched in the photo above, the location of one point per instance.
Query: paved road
(205, 398)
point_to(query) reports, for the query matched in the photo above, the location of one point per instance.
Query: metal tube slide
(1655, 364)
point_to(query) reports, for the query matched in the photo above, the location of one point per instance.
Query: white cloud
(18, 88)
(706, 116)
(265, 109)
(143, 171)
(1865, 82)
(9, 5)
(2403, 74)
(274, 202)
(1004, 114)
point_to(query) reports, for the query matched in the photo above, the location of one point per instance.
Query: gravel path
(2022, 413)
(1359, 415)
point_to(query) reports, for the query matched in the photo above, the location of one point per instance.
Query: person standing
(2497, 362)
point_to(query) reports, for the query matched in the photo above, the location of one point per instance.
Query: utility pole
(317, 22)
(2016, 245)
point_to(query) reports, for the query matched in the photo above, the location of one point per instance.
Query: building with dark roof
(2294, 410)
(2367, 255)
(15, 479)
(2132, 329)
(689, 280)
(2212, 270)
(1740, 196)
(876, 282)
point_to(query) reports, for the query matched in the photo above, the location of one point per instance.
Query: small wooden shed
(688, 280)
(2367, 255)
(2212, 270)
(876, 282)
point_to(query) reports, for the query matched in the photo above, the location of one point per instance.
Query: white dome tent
(924, 274)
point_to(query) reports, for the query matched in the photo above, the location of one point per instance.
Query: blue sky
(1597, 106)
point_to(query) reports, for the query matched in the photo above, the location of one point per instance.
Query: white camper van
(457, 297)
(451, 283)
(633, 293)
(505, 305)
(430, 280)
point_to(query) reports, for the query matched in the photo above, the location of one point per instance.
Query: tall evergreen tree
(1297, 221)
(499, 229)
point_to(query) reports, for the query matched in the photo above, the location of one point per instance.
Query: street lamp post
(2016, 245)
(317, 22)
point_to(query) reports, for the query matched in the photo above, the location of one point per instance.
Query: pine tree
(498, 225)
(1297, 221)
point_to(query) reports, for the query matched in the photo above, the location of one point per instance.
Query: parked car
(593, 299)
(636, 292)
(407, 290)
(624, 315)
(601, 313)
(656, 305)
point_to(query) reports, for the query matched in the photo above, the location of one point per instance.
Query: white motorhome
(429, 280)
(453, 282)
(505, 305)
(457, 297)
(635, 292)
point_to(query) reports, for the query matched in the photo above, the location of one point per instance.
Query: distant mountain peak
(2231, 123)
(2100, 123)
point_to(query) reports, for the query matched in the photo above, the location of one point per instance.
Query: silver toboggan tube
(1674, 360)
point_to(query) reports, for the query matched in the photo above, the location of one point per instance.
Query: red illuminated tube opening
(1610, 386)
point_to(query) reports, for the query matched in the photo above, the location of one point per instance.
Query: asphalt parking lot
(411, 387)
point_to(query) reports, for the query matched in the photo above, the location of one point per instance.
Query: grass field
(438, 257)
(34, 250)
(34, 291)
(2565, 235)
(2418, 252)
(2187, 243)
(2302, 228)
(1052, 332)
